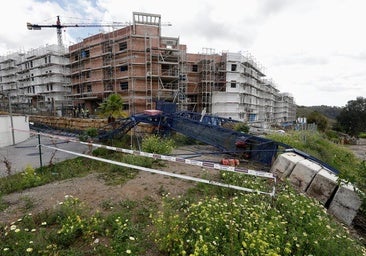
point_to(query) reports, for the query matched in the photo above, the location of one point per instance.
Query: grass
(317, 145)
(206, 220)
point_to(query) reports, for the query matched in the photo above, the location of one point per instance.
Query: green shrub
(88, 134)
(92, 132)
(158, 145)
(241, 127)
(30, 178)
(362, 135)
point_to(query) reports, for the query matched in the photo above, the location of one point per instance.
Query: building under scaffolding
(248, 96)
(144, 67)
(135, 62)
(36, 79)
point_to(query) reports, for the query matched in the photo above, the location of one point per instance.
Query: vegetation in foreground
(207, 220)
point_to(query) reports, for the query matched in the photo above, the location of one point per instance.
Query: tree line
(350, 119)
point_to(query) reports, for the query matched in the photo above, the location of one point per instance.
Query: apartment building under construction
(36, 79)
(248, 95)
(144, 67)
(135, 61)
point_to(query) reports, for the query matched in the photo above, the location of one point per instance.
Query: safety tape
(165, 157)
(175, 175)
(170, 158)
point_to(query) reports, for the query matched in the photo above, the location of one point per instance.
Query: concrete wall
(21, 132)
(314, 180)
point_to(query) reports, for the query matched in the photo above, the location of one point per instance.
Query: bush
(92, 132)
(88, 134)
(362, 135)
(241, 127)
(158, 145)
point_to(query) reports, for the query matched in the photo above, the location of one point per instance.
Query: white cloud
(313, 49)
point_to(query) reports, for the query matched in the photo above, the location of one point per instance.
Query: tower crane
(59, 26)
(139, 18)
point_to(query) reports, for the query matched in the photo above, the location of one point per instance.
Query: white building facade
(37, 79)
(249, 96)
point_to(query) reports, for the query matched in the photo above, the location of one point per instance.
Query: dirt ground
(93, 190)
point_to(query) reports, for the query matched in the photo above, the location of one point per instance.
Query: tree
(112, 106)
(352, 119)
(320, 120)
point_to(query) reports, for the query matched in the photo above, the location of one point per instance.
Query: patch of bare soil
(93, 190)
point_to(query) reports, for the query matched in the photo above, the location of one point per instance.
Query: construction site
(144, 67)
(166, 91)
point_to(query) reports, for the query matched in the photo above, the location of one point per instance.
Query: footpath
(16, 158)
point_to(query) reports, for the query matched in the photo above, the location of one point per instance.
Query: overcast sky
(313, 49)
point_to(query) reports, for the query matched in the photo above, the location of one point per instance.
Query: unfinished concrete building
(36, 80)
(135, 61)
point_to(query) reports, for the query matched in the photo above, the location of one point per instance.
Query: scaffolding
(207, 68)
(180, 96)
(36, 80)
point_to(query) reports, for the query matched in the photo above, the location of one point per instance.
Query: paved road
(26, 153)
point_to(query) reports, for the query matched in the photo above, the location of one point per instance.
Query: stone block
(284, 164)
(345, 204)
(322, 186)
(303, 174)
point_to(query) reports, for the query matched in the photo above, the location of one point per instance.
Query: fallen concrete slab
(345, 203)
(323, 185)
(303, 174)
(284, 164)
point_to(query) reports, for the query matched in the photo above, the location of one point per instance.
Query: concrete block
(303, 174)
(345, 204)
(284, 164)
(322, 186)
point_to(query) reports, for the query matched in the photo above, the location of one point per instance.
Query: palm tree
(112, 107)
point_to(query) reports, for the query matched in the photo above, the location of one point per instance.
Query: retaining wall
(68, 123)
(82, 124)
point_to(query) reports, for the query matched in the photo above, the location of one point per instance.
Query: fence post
(40, 150)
